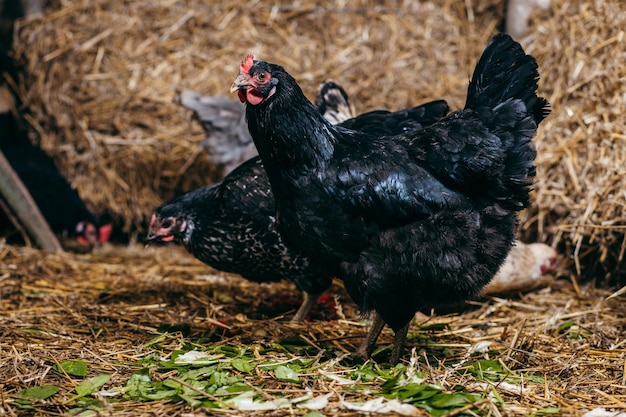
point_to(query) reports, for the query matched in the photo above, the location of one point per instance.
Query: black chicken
(228, 143)
(59, 203)
(231, 226)
(410, 221)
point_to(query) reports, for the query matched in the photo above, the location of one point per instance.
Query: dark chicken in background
(228, 143)
(231, 226)
(332, 102)
(59, 203)
(410, 221)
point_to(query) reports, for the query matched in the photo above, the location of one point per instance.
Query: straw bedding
(98, 83)
(106, 307)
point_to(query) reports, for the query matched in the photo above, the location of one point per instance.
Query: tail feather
(487, 149)
(506, 72)
(506, 81)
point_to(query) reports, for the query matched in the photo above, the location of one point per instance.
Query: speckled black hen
(231, 226)
(409, 221)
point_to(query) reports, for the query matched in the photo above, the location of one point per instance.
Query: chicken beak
(240, 82)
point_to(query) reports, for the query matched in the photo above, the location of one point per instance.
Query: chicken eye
(260, 76)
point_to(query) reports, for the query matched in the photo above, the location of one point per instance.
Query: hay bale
(580, 198)
(100, 77)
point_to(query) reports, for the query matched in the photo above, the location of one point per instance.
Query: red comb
(246, 64)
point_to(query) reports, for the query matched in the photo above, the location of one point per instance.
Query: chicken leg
(365, 349)
(308, 300)
(399, 339)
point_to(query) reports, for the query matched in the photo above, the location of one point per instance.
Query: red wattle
(253, 98)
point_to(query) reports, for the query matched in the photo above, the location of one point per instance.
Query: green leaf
(191, 401)
(285, 373)
(415, 392)
(161, 394)
(210, 404)
(222, 378)
(534, 378)
(91, 385)
(489, 370)
(81, 412)
(194, 358)
(74, 368)
(137, 384)
(196, 374)
(381, 349)
(38, 393)
(443, 400)
(565, 326)
(305, 363)
(367, 374)
(436, 327)
(170, 383)
(231, 351)
(234, 389)
(243, 365)
(156, 340)
(390, 384)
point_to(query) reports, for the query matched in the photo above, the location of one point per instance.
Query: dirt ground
(106, 307)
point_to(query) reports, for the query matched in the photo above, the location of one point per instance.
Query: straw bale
(581, 193)
(100, 76)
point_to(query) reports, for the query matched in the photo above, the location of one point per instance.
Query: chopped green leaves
(38, 393)
(285, 373)
(74, 368)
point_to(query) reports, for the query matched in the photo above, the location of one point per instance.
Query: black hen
(410, 221)
(228, 142)
(231, 226)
